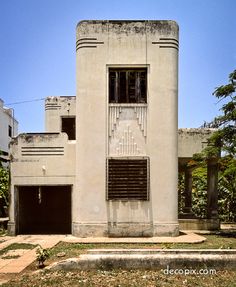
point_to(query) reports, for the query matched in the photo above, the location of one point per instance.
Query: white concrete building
(43, 173)
(127, 93)
(108, 162)
(8, 127)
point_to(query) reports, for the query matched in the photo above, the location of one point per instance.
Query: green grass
(3, 232)
(221, 241)
(136, 278)
(11, 257)
(16, 246)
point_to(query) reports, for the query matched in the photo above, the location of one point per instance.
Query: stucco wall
(6, 120)
(193, 140)
(150, 44)
(41, 158)
(38, 160)
(57, 107)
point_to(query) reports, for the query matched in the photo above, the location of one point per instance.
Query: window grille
(127, 85)
(127, 179)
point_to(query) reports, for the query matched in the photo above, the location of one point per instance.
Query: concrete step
(221, 259)
(162, 251)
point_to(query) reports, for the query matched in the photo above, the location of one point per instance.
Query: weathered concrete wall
(42, 156)
(105, 44)
(191, 141)
(6, 120)
(57, 107)
(40, 159)
(199, 224)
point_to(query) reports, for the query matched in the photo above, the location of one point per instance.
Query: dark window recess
(127, 85)
(68, 126)
(9, 131)
(128, 179)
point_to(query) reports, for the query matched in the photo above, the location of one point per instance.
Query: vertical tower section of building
(126, 155)
(163, 128)
(89, 204)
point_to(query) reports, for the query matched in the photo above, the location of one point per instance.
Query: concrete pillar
(212, 190)
(12, 223)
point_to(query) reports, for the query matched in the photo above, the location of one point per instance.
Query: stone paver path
(188, 237)
(47, 241)
(17, 265)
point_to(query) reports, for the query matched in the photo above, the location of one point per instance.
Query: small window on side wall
(9, 131)
(127, 85)
(68, 126)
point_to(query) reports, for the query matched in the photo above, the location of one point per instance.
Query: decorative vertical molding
(141, 114)
(114, 114)
(127, 129)
(127, 144)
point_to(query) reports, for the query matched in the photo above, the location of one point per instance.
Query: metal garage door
(44, 210)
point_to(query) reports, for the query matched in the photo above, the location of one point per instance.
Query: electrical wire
(23, 102)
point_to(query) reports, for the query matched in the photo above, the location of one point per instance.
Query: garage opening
(44, 210)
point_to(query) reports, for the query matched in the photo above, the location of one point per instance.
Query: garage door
(44, 210)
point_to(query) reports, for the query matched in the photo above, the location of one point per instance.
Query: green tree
(227, 189)
(199, 191)
(4, 190)
(224, 140)
(225, 136)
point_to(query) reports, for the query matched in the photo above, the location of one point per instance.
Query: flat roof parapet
(28, 137)
(56, 98)
(128, 26)
(193, 131)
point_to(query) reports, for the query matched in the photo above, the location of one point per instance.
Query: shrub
(42, 255)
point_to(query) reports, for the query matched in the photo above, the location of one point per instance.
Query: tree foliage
(4, 190)
(222, 142)
(227, 188)
(221, 145)
(225, 136)
(199, 192)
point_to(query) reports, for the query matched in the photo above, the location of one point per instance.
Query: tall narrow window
(9, 131)
(127, 85)
(68, 126)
